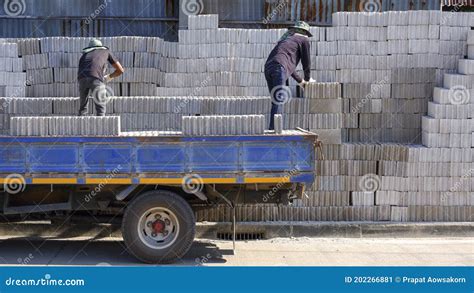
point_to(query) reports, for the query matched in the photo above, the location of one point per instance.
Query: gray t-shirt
(94, 64)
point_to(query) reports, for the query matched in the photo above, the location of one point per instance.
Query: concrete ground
(442, 251)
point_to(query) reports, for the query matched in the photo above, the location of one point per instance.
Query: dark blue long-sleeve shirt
(288, 53)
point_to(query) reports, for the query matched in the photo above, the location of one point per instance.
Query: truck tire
(158, 227)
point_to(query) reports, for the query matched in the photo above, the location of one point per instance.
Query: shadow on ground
(24, 251)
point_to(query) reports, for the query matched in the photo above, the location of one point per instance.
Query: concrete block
(429, 124)
(466, 66)
(329, 136)
(470, 51)
(362, 198)
(325, 106)
(65, 126)
(456, 80)
(399, 214)
(278, 123)
(223, 125)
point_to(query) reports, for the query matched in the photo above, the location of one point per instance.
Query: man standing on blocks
(92, 67)
(292, 48)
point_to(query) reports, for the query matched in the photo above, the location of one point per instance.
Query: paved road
(274, 252)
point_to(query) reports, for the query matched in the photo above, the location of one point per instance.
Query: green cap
(302, 26)
(94, 44)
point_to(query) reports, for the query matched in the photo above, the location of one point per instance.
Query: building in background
(101, 18)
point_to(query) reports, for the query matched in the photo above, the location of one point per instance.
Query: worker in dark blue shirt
(292, 48)
(91, 75)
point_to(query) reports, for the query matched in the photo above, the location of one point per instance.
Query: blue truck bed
(160, 160)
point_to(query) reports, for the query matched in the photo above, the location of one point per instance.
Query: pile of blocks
(325, 115)
(389, 63)
(12, 77)
(223, 125)
(377, 182)
(450, 120)
(65, 126)
(138, 113)
(51, 65)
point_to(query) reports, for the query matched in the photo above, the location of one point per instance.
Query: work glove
(107, 78)
(302, 83)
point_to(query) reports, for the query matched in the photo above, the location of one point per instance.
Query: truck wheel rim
(158, 228)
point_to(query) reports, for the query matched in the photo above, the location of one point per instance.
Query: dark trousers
(276, 81)
(97, 90)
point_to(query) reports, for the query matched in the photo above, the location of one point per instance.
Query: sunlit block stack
(65, 126)
(450, 120)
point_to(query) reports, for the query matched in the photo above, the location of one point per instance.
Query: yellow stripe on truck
(267, 180)
(161, 180)
(108, 181)
(179, 181)
(54, 181)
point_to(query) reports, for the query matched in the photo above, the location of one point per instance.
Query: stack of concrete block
(51, 65)
(324, 115)
(12, 78)
(65, 126)
(393, 182)
(220, 61)
(138, 113)
(203, 21)
(450, 120)
(223, 125)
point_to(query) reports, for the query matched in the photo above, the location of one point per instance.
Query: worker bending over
(292, 48)
(92, 67)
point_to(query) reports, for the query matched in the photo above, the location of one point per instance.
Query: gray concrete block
(278, 123)
(223, 125)
(361, 198)
(399, 214)
(466, 66)
(65, 126)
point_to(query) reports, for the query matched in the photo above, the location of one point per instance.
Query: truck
(153, 185)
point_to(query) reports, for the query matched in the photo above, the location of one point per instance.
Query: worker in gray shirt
(91, 75)
(292, 48)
